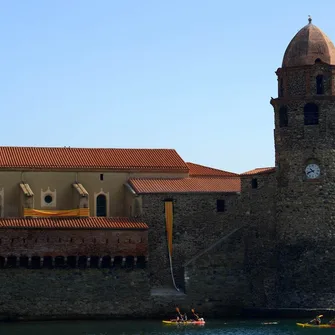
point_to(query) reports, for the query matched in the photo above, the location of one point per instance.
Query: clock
(312, 171)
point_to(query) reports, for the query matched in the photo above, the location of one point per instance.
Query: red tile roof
(73, 223)
(264, 170)
(197, 170)
(91, 158)
(186, 185)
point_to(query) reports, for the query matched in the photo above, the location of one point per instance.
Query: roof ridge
(85, 148)
(91, 222)
(186, 185)
(259, 170)
(91, 158)
(204, 167)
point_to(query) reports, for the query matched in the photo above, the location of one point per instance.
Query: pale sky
(192, 75)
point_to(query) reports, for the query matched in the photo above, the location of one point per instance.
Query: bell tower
(305, 160)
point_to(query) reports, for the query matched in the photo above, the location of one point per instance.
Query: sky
(193, 75)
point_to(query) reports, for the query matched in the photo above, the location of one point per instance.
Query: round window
(48, 199)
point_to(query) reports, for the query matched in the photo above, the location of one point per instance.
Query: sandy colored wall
(66, 196)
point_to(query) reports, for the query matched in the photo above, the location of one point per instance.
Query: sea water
(155, 327)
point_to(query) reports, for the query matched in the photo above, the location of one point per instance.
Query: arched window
(101, 205)
(94, 261)
(319, 84)
(106, 262)
(35, 262)
(283, 117)
(311, 114)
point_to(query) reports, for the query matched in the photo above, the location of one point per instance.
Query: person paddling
(195, 316)
(317, 320)
(179, 317)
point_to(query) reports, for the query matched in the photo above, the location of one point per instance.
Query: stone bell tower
(305, 159)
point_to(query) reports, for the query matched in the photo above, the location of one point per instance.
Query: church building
(134, 232)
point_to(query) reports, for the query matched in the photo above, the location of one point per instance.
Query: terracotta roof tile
(307, 45)
(264, 170)
(91, 158)
(186, 185)
(73, 223)
(197, 170)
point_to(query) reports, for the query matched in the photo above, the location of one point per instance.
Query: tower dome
(307, 46)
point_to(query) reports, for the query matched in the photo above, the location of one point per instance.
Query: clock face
(312, 171)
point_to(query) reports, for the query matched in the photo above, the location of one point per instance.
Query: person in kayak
(179, 316)
(195, 316)
(317, 320)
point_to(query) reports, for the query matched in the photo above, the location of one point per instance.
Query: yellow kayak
(308, 325)
(172, 322)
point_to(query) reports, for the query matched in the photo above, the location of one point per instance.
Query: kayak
(308, 325)
(184, 322)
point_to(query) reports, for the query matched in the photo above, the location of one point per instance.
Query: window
(254, 183)
(101, 205)
(283, 117)
(220, 205)
(319, 84)
(48, 199)
(101, 176)
(311, 114)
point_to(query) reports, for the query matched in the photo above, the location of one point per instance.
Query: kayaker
(317, 320)
(195, 316)
(179, 317)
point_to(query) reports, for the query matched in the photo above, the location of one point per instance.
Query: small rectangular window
(101, 176)
(254, 183)
(220, 205)
(319, 85)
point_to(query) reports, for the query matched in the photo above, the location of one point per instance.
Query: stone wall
(240, 269)
(73, 242)
(74, 293)
(305, 208)
(197, 224)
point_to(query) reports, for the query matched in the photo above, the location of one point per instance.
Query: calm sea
(286, 327)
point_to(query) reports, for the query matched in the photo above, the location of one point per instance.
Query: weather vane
(309, 19)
